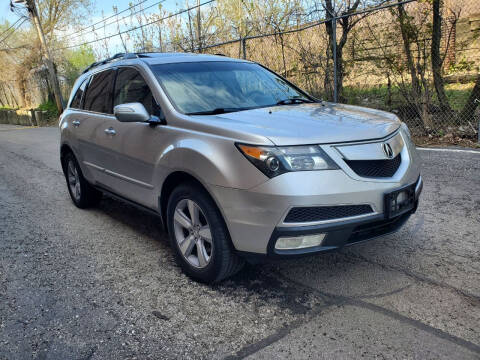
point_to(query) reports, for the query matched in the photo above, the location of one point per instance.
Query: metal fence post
(334, 30)
(244, 48)
(478, 132)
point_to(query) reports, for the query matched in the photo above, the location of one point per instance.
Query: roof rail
(119, 56)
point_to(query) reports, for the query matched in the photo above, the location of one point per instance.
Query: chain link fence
(383, 58)
(404, 56)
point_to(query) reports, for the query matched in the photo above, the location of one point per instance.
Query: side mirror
(131, 112)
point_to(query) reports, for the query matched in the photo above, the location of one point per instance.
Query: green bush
(51, 108)
(376, 96)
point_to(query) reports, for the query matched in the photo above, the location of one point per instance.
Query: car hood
(309, 123)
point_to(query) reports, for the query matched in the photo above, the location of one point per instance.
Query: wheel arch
(64, 150)
(171, 182)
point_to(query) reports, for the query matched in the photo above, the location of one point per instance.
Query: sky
(104, 6)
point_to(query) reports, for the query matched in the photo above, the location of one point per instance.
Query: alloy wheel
(74, 180)
(192, 233)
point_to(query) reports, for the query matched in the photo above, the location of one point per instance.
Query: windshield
(217, 87)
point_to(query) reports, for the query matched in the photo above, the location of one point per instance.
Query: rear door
(93, 140)
(75, 117)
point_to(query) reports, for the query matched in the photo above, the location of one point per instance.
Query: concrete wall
(467, 42)
(23, 117)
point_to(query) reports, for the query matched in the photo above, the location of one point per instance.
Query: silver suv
(237, 162)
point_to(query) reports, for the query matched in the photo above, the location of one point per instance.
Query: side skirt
(130, 202)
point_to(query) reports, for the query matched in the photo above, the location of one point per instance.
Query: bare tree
(343, 11)
(115, 10)
(437, 61)
(61, 14)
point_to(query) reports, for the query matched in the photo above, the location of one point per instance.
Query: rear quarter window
(77, 99)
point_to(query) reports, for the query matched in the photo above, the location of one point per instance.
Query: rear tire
(199, 236)
(81, 192)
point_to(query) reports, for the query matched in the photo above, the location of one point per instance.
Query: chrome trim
(119, 176)
(387, 149)
(418, 187)
(337, 156)
(369, 141)
(110, 131)
(129, 179)
(94, 166)
(291, 224)
(373, 150)
(110, 116)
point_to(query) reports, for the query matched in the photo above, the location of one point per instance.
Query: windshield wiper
(291, 101)
(217, 111)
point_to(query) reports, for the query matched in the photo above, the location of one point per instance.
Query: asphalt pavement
(102, 283)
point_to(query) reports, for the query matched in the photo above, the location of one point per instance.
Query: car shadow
(265, 282)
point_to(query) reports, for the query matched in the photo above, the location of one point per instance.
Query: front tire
(81, 192)
(199, 235)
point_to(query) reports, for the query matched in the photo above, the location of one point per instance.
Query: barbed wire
(105, 19)
(136, 27)
(376, 72)
(370, 10)
(123, 18)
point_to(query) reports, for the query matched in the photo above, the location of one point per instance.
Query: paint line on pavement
(450, 150)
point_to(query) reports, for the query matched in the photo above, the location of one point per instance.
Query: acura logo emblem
(387, 149)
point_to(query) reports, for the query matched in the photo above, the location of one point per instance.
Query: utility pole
(32, 10)
(199, 27)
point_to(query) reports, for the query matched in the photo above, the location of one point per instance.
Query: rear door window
(99, 93)
(131, 87)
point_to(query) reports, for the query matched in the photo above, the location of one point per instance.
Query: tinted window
(99, 92)
(131, 87)
(205, 86)
(77, 99)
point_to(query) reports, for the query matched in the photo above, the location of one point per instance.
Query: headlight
(273, 161)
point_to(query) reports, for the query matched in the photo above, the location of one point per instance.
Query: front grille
(375, 168)
(321, 213)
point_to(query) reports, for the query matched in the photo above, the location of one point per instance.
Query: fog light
(299, 242)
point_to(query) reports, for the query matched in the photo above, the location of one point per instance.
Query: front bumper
(257, 217)
(339, 234)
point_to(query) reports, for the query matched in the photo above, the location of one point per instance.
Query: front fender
(214, 161)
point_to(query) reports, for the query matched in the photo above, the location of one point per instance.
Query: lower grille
(321, 213)
(378, 228)
(375, 168)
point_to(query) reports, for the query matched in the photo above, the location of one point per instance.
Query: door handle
(110, 131)
(76, 123)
